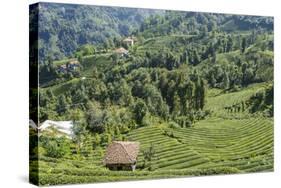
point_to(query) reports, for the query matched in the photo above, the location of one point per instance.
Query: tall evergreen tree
(243, 45)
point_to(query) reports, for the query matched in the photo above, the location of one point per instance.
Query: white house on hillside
(64, 127)
(129, 41)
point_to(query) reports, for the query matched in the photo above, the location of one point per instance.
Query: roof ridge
(130, 157)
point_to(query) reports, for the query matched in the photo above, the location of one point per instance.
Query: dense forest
(66, 27)
(183, 68)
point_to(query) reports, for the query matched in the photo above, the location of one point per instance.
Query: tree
(56, 147)
(96, 140)
(76, 115)
(172, 61)
(200, 92)
(192, 24)
(87, 49)
(176, 105)
(149, 155)
(248, 76)
(204, 31)
(229, 44)
(106, 45)
(226, 81)
(214, 58)
(62, 105)
(140, 111)
(50, 96)
(212, 26)
(114, 57)
(169, 93)
(243, 45)
(95, 73)
(154, 100)
(196, 58)
(123, 93)
(86, 148)
(106, 138)
(95, 118)
(213, 80)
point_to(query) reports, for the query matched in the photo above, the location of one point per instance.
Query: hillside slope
(213, 146)
(196, 90)
(65, 27)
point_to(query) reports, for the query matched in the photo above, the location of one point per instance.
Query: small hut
(121, 51)
(73, 64)
(62, 69)
(129, 41)
(121, 155)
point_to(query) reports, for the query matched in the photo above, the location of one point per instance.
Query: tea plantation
(209, 147)
(213, 146)
(195, 90)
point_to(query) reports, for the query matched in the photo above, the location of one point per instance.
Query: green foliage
(96, 140)
(75, 176)
(106, 139)
(56, 147)
(85, 50)
(140, 111)
(38, 151)
(227, 153)
(262, 101)
(95, 117)
(195, 90)
(149, 155)
(62, 31)
(243, 45)
(226, 81)
(62, 105)
(86, 146)
(173, 125)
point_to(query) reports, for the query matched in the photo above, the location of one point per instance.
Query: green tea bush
(55, 147)
(173, 125)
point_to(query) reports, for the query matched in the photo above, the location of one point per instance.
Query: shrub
(183, 121)
(39, 151)
(146, 120)
(55, 147)
(173, 125)
(169, 133)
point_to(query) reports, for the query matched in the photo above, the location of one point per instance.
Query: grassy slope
(62, 87)
(211, 146)
(217, 100)
(156, 43)
(101, 62)
(210, 142)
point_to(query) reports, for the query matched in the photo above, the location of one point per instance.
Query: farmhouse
(129, 41)
(73, 64)
(121, 51)
(62, 69)
(121, 155)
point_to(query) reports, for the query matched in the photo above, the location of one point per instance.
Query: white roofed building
(62, 127)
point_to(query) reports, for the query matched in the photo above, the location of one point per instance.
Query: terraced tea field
(212, 146)
(212, 143)
(217, 100)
